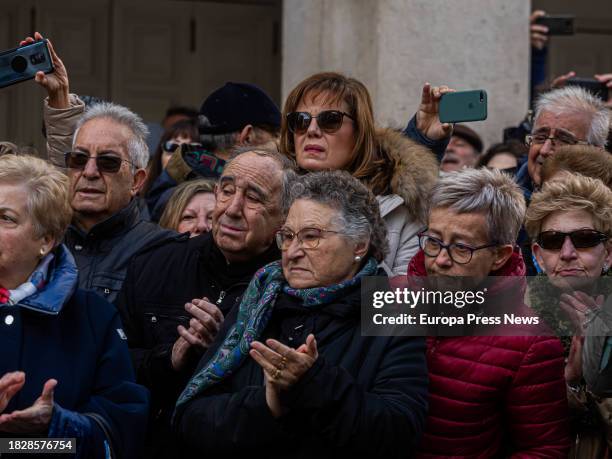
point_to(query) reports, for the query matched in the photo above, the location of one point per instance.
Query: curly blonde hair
(574, 192)
(582, 159)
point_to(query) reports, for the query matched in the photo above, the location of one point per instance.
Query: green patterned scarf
(255, 311)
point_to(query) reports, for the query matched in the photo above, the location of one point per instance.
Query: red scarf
(4, 295)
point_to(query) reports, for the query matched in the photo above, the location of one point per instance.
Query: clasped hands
(283, 367)
(32, 420)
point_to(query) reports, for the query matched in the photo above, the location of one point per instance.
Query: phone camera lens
(37, 58)
(19, 64)
(481, 97)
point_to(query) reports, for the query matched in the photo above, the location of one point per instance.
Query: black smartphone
(597, 88)
(463, 106)
(20, 64)
(558, 24)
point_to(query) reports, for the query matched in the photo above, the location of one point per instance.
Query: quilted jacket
(495, 396)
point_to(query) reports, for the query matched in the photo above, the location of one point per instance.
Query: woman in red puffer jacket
(490, 396)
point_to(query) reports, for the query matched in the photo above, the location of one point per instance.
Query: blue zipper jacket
(75, 337)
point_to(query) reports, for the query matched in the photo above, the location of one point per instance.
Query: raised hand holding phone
(56, 83)
(463, 106)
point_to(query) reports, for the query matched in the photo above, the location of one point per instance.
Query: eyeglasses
(459, 253)
(329, 121)
(171, 146)
(559, 139)
(308, 237)
(105, 163)
(581, 239)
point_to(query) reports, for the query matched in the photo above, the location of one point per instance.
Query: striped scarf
(35, 283)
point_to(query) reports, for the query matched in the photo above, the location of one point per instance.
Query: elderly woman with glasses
(570, 223)
(328, 124)
(65, 369)
(292, 375)
(496, 395)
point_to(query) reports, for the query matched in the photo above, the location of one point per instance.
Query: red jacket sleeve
(536, 404)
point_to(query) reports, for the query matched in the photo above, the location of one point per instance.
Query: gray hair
(485, 191)
(287, 167)
(578, 101)
(137, 145)
(358, 212)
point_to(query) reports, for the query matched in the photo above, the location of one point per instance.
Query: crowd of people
(206, 297)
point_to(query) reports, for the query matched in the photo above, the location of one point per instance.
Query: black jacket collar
(227, 274)
(115, 225)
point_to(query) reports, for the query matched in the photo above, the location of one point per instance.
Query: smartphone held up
(558, 24)
(21, 64)
(463, 106)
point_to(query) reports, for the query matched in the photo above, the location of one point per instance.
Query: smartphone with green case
(463, 106)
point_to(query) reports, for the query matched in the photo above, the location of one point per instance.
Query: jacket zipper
(223, 293)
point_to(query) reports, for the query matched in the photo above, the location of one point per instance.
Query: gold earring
(42, 252)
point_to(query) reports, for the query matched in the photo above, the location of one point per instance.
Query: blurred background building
(151, 54)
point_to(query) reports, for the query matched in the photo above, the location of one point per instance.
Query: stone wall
(394, 46)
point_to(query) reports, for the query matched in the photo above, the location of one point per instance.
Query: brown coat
(405, 210)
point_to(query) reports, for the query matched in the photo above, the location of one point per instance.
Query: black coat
(365, 396)
(160, 280)
(102, 254)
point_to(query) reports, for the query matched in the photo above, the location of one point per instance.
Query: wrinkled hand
(207, 319)
(538, 33)
(203, 328)
(55, 83)
(10, 384)
(273, 398)
(577, 305)
(573, 367)
(428, 115)
(32, 420)
(283, 367)
(607, 79)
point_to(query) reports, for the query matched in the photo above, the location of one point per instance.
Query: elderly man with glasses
(106, 163)
(565, 116)
(107, 168)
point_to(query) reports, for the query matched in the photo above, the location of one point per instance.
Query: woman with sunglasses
(570, 222)
(184, 131)
(328, 124)
(294, 377)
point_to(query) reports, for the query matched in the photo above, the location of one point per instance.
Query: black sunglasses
(104, 163)
(171, 146)
(581, 239)
(329, 121)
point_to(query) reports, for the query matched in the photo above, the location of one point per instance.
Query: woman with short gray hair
(485, 191)
(513, 385)
(294, 371)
